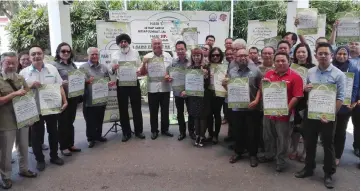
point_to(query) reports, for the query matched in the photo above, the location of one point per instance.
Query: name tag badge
(49, 79)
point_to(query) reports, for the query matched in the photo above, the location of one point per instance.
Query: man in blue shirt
(324, 73)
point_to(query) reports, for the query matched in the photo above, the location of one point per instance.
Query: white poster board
(258, 31)
(142, 26)
(4, 37)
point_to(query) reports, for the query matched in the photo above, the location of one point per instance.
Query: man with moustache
(253, 55)
(158, 89)
(12, 85)
(181, 62)
(228, 43)
(36, 74)
(124, 93)
(246, 120)
(267, 59)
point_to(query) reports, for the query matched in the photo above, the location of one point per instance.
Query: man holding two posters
(325, 82)
(12, 85)
(45, 80)
(245, 117)
(281, 89)
(125, 63)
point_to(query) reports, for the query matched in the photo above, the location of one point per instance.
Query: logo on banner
(223, 17)
(213, 17)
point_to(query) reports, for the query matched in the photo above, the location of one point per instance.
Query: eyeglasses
(65, 51)
(215, 55)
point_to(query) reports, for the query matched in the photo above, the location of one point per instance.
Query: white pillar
(291, 13)
(232, 11)
(59, 24)
(180, 5)
(125, 6)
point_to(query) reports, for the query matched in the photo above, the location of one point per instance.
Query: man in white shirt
(126, 91)
(155, 64)
(37, 74)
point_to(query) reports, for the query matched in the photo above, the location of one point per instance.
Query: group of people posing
(248, 127)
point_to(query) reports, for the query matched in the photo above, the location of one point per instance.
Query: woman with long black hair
(64, 63)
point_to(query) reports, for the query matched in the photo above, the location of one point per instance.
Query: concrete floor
(170, 165)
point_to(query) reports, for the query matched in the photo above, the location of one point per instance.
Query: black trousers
(42, 140)
(200, 126)
(246, 131)
(311, 130)
(260, 140)
(37, 136)
(156, 100)
(216, 107)
(356, 126)
(225, 111)
(179, 103)
(94, 117)
(124, 93)
(340, 134)
(230, 123)
(65, 122)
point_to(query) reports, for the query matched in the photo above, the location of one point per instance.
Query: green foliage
(30, 26)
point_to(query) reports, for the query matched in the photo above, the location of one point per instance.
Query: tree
(11, 8)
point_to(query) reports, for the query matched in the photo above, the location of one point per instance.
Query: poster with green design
(127, 73)
(308, 21)
(219, 75)
(348, 29)
(238, 93)
(194, 85)
(322, 102)
(275, 101)
(156, 69)
(302, 71)
(50, 99)
(178, 75)
(99, 91)
(76, 84)
(190, 37)
(349, 86)
(26, 110)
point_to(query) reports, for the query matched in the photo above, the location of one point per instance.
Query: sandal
(235, 158)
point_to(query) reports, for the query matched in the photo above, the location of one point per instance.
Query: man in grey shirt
(246, 120)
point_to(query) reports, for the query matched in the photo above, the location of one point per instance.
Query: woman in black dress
(199, 107)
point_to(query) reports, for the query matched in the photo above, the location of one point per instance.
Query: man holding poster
(276, 124)
(39, 76)
(328, 76)
(12, 85)
(125, 64)
(245, 117)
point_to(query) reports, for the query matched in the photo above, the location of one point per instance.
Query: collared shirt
(265, 69)
(119, 56)
(47, 75)
(96, 71)
(294, 84)
(331, 75)
(63, 70)
(176, 63)
(159, 85)
(7, 114)
(254, 76)
(356, 61)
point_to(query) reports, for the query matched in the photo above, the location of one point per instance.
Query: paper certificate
(50, 99)
(26, 110)
(112, 109)
(127, 73)
(156, 69)
(308, 21)
(349, 87)
(302, 71)
(178, 76)
(190, 37)
(238, 93)
(194, 82)
(349, 28)
(274, 98)
(99, 90)
(322, 102)
(76, 83)
(218, 76)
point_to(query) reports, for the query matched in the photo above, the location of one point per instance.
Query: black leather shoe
(40, 166)
(74, 149)
(181, 137)
(279, 168)
(264, 160)
(235, 158)
(192, 136)
(328, 181)
(57, 161)
(91, 144)
(102, 139)
(304, 173)
(215, 140)
(228, 139)
(357, 152)
(154, 136)
(66, 153)
(253, 161)
(125, 138)
(140, 136)
(167, 133)
(28, 174)
(7, 184)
